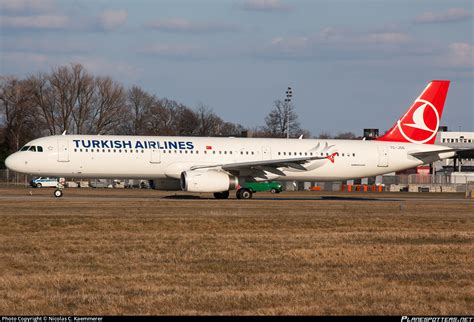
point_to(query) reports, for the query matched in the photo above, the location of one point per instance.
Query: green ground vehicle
(272, 186)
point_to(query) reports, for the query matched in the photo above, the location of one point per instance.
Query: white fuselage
(128, 157)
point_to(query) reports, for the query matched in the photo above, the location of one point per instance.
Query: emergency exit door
(383, 156)
(155, 156)
(266, 153)
(63, 151)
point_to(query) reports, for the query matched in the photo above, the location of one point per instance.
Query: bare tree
(186, 121)
(346, 136)
(324, 135)
(41, 94)
(63, 97)
(18, 111)
(108, 110)
(209, 122)
(139, 105)
(86, 91)
(277, 120)
(65, 82)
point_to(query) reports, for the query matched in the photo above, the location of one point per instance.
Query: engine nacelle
(166, 184)
(207, 181)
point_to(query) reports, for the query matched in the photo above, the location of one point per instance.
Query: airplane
(218, 165)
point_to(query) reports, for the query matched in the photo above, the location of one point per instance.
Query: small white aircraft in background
(218, 165)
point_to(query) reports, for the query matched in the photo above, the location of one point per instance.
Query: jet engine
(207, 181)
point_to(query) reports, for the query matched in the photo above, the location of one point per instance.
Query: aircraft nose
(14, 162)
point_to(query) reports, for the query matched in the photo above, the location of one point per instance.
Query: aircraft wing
(270, 165)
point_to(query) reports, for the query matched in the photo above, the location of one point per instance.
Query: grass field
(101, 251)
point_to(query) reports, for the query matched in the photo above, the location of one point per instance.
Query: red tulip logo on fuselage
(421, 126)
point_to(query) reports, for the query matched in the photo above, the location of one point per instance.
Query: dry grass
(131, 252)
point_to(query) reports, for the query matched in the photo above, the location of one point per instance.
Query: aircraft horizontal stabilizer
(431, 156)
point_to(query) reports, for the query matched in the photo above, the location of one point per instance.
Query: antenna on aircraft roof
(64, 133)
(301, 137)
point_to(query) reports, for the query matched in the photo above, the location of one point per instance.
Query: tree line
(70, 99)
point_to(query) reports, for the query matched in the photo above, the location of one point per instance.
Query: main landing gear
(242, 193)
(221, 195)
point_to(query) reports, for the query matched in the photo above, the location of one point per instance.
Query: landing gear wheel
(244, 194)
(58, 193)
(221, 195)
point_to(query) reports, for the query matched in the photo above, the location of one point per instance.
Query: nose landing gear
(58, 193)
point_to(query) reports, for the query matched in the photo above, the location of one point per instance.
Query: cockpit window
(33, 149)
(25, 148)
(39, 148)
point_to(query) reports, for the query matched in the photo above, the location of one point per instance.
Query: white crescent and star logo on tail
(419, 122)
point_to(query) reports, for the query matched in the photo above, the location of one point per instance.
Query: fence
(8, 177)
(11, 178)
(455, 178)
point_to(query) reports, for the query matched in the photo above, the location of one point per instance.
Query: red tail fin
(420, 123)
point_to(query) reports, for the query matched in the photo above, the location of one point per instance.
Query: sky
(352, 64)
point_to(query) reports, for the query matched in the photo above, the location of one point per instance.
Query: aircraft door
(266, 153)
(63, 151)
(383, 156)
(155, 156)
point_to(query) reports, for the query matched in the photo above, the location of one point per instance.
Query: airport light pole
(289, 95)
